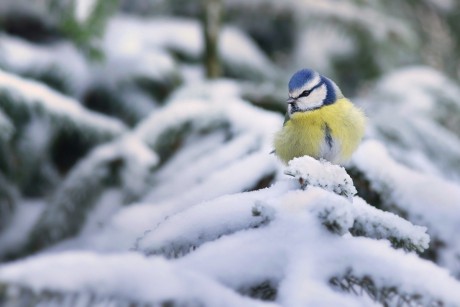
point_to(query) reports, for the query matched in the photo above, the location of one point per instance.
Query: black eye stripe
(305, 93)
(308, 92)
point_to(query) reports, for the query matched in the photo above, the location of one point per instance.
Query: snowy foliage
(269, 225)
(26, 96)
(183, 37)
(280, 224)
(414, 196)
(128, 179)
(172, 283)
(323, 174)
(61, 62)
(426, 120)
(125, 162)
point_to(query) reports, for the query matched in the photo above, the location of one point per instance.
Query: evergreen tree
(129, 179)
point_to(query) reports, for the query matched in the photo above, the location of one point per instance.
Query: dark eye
(305, 93)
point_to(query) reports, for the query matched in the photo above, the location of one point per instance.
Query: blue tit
(320, 121)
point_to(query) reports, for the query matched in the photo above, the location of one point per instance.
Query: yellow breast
(332, 132)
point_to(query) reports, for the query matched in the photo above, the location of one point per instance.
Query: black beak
(290, 100)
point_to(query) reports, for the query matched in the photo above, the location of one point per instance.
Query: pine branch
(155, 243)
(8, 199)
(387, 295)
(22, 296)
(21, 98)
(113, 164)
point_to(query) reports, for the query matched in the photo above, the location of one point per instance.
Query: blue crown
(300, 78)
(303, 76)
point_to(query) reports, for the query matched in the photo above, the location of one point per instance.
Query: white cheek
(314, 100)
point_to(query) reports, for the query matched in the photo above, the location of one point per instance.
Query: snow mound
(323, 174)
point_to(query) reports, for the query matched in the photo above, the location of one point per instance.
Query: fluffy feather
(331, 132)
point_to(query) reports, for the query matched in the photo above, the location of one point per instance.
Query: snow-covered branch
(22, 96)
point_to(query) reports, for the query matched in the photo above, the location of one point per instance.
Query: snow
(131, 222)
(189, 207)
(160, 282)
(133, 35)
(62, 59)
(21, 223)
(331, 33)
(374, 223)
(6, 126)
(220, 216)
(202, 113)
(414, 192)
(311, 172)
(444, 5)
(126, 62)
(427, 104)
(37, 137)
(240, 53)
(131, 38)
(202, 167)
(415, 87)
(213, 90)
(378, 24)
(426, 200)
(108, 204)
(292, 239)
(318, 55)
(281, 236)
(84, 9)
(64, 216)
(32, 95)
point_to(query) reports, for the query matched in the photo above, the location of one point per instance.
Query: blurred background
(109, 103)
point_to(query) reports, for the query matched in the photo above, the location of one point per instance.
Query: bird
(320, 122)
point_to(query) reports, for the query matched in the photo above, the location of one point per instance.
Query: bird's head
(308, 91)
